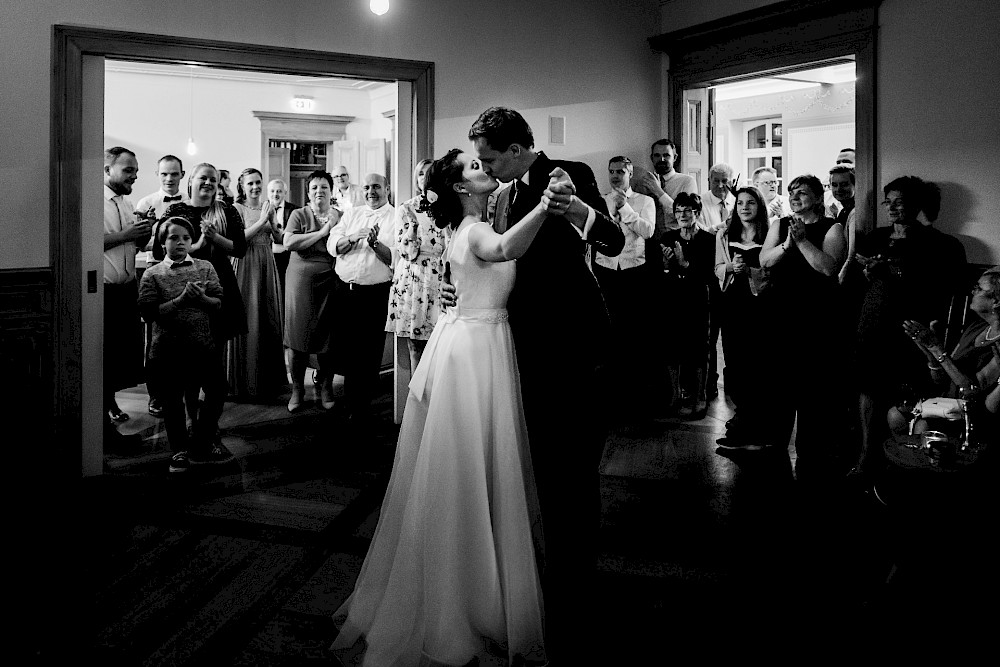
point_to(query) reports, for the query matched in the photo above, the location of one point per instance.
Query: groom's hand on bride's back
(448, 295)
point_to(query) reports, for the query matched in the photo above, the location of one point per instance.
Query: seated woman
(689, 259)
(971, 371)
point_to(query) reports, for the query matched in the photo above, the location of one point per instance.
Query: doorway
(77, 128)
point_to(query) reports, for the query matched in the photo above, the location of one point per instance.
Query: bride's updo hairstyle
(439, 199)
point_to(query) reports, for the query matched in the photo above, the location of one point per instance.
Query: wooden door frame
(70, 44)
(781, 37)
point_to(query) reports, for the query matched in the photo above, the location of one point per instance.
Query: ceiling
(786, 82)
(204, 72)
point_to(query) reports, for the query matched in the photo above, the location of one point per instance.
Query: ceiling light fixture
(192, 147)
(379, 7)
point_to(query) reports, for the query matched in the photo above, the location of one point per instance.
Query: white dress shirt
(711, 219)
(156, 201)
(119, 262)
(345, 199)
(636, 218)
(279, 224)
(360, 264)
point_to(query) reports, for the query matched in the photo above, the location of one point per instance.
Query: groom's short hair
(500, 127)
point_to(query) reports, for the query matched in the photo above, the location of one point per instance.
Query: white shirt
(119, 262)
(711, 219)
(279, 224)
(156, 201)
(636, 218)
(360, 264)
(778, 208)
(345, 199)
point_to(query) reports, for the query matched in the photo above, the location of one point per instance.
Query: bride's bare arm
(489, 246)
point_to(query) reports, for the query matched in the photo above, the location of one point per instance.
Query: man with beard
(124, 235)
(665, 185)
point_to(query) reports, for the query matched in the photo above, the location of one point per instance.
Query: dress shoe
(154, 408)
(117, 416)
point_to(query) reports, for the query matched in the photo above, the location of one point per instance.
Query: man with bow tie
(362, 243)
(170, 171)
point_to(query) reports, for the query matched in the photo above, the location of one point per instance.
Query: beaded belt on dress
(418, 382)
(491, 315)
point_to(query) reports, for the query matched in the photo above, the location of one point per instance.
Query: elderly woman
(419, 270)
(255, 361)
(309, 285)
(973, 366)
(737, 268)
(689, 259)
(803, 253)
(910, 272)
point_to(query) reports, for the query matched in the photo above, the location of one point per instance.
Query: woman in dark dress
(804, 253)
(737, 268)
(910, 273)
(310, 284)
(689, 259)
(218, 235)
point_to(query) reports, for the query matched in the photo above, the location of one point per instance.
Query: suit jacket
(556, 308)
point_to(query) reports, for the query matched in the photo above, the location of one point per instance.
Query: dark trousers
(363, 341)
(123, 339)
(715, 318)
(566, 414)
(281, 261)
(216, 388)
(179, 381)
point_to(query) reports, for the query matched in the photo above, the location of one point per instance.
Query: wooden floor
(702, 556)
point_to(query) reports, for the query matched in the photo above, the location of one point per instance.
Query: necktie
(723, 212)
(170, 199)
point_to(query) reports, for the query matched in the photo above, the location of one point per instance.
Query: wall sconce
(379, 7)
(302, 103)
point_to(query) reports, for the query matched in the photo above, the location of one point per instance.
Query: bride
(450, 576)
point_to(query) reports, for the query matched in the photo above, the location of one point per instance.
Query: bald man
(362, 243)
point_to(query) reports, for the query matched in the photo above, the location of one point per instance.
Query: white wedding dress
(451, 575)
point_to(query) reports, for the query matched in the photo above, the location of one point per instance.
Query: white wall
(224, 128)
(589, 58)
(936, 97)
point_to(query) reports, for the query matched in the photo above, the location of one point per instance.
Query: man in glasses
(345, 194)
(765, 179)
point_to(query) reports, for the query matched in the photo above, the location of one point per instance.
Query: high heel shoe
(326, 394)
(295, 403)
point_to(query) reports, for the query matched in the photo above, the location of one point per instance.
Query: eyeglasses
(768, 183)
(897, 203)
(684, 211)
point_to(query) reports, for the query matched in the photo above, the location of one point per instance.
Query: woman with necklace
(309, 285)
(804, 252)
(255, 361)
(910, 271)
(688, 258)
(972, 366)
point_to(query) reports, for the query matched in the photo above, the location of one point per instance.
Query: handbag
(952, 409)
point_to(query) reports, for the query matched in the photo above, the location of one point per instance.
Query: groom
(562, 335)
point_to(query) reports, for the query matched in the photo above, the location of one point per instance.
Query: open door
(698, 135)
(403, 161)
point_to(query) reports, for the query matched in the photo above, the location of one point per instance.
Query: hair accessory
(431, 196)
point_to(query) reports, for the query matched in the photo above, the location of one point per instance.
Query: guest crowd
(830, 322)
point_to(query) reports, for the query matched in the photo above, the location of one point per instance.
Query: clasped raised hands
(194, 291)
(558, 195)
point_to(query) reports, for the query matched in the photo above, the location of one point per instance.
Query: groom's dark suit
(561, 335)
